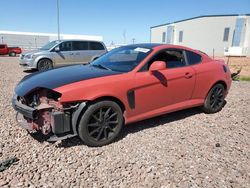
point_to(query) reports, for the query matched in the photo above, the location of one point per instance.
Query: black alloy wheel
(101, 123)
(215, 99)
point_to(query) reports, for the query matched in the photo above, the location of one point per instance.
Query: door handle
(71, 53)
(188, 75)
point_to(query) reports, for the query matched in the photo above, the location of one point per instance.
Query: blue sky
(109, 18)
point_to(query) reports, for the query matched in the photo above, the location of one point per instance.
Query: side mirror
(57, 49)
(157, 66)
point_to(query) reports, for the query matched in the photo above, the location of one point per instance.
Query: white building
(28, 40)
(214, 34)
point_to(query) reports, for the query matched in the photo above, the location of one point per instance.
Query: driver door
(157, 90)
(65, 55)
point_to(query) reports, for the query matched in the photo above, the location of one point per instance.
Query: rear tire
(44, 64)
(101, 123)
(215, 99)
(12, 54)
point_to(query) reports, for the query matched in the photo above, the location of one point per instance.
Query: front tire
(101, 123)
(215, 99)
(44, 64)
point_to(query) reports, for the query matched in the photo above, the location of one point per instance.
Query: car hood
(60, 76)
(34, 52)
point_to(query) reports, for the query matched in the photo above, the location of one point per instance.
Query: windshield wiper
(101, 66)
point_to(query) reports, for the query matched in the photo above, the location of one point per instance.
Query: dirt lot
(182, 149)
(235, 63)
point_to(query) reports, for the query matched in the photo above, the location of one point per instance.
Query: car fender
(39, 57)
(92, 95)
(207, 75)
(116, 86)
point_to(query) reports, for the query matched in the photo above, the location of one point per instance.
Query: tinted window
(226, 34)
(96, 46)
(2, 46)
(80, 45)
(66, 46)
(193, 58)
(172, 58)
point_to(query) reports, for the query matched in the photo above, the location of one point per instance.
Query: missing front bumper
(25, 110)
(30, 119)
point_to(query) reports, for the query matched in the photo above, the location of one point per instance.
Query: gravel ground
(182, 149)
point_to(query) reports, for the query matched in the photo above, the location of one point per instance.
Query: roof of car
(64, 40)
(160, 46)
(157, 46)
(146, 45)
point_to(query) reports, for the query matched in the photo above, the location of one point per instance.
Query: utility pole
(2, 39)
(58, 23)
(133, 40)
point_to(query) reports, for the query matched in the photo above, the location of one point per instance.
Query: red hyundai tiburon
(128, 84)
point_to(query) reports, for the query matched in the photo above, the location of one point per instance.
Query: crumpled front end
(41, 111)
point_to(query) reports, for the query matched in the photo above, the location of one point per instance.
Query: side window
(173, 59)
(180, 36)
(2, 46)
(226, 34)
(80, 45)
(193, 58)
(66, 46)
(164, 37)
(96, 46)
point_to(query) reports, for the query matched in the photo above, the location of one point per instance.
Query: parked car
(128, 84)
(11, 51)
(61, 53)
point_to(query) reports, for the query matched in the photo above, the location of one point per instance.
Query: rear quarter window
(193, 58)
(96, 46)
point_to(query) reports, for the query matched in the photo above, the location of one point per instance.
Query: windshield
(123, 59)
(49, 45)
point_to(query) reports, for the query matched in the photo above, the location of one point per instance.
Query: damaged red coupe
(128, 84)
